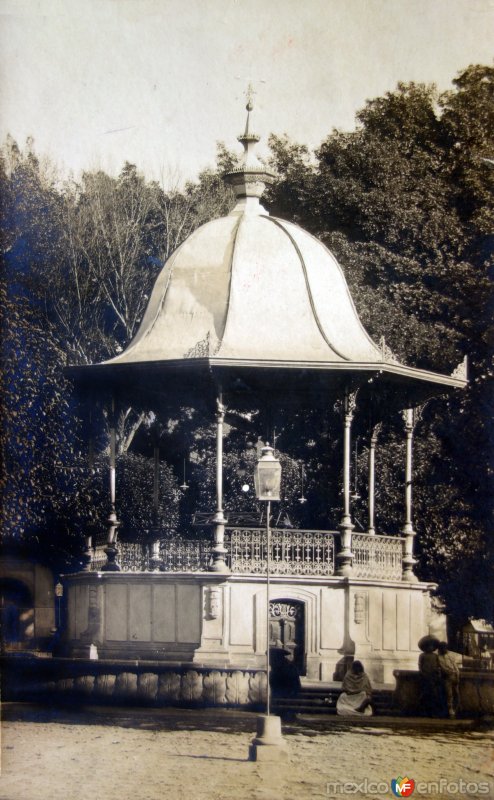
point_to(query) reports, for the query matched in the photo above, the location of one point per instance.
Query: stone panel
(403, 620)
(71, 607)
(140, 612)
(376, 619)
(241, 616)
(332, 615)
(418, 627)
(81, 608)
(389, 620)
(189, 613)
(163, 628)
(116, 615)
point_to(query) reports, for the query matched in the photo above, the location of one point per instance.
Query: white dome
(251, 288)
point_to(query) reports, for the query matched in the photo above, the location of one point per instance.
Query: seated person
(357, 693)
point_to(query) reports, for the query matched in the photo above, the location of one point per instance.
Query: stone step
(323, 701)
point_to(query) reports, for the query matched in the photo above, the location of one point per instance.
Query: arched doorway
(287, 629)
(17, 614)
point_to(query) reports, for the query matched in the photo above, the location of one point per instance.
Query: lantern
(267, 475)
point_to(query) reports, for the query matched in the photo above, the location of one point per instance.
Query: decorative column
(154, 559)
(344, 557)
(409, 561)
(111, 549)
(87, 555)
(219, 550)
(372, 477)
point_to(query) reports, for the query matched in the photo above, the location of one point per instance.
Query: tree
(405, 202)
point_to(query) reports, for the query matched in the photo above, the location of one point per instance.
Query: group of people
(439, 674)
(440, 679)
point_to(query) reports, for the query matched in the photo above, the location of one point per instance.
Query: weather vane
(250, 91)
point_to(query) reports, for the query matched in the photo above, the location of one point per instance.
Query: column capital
(375, 432)
(350, 405)
(220, 410)
(111, 548)
(408, 417)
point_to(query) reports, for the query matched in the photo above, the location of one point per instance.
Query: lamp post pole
(268, 553)
(268, 745)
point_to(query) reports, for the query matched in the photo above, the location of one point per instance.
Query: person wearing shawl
(356, 696)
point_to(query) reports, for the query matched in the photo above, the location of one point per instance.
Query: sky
(159, 82)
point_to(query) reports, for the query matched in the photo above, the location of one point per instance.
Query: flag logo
(402, 787)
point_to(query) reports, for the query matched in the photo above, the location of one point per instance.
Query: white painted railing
(293, 552)
(377, 557)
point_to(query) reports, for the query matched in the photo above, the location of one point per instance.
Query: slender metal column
(154, 560)
(268, 565)
(111, 549)
(345, 555)
(408, 559)
(372, 477)
(156, 482)
(219, 550)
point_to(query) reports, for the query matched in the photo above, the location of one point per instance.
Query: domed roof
(251, 290)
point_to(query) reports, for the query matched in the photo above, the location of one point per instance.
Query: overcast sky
(158, 82)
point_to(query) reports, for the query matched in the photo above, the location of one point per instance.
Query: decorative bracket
(461, 371)
(386, 352)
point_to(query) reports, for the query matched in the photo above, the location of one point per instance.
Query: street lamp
(268, 744)
(267, 480)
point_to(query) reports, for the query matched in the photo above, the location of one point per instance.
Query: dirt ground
(183, 755)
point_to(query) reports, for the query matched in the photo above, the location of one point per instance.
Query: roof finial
(250, 105)
(250, 177)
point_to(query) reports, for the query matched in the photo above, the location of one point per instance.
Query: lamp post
(268, 744)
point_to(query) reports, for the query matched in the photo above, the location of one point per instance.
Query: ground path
(123, 754)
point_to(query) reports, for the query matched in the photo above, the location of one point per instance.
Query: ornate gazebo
(251, 306)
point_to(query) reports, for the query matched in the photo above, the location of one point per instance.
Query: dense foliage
(405, 202)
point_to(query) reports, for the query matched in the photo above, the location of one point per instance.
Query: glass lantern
(267, 475)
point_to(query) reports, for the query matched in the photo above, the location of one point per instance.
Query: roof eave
(209, 364)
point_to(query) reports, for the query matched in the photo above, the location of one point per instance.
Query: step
(314, 702)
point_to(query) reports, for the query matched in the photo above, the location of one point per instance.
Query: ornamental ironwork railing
(377, 556)
(293, 552)
(98, 558)
(177, 556)
(187, 556)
